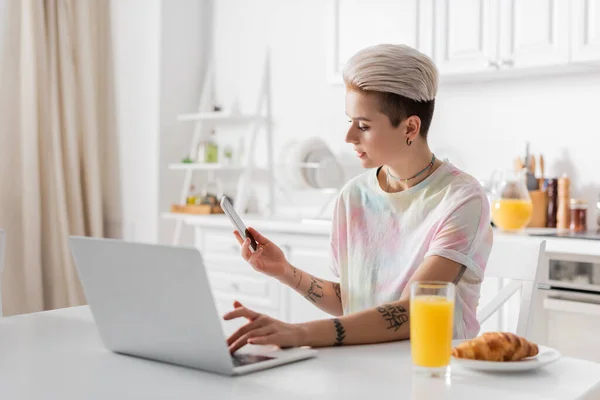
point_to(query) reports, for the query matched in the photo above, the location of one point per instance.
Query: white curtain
(59, 167)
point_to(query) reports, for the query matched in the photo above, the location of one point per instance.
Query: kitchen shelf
(204, 167)
(218, 116)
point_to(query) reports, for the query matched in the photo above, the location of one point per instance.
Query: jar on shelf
(578, 212)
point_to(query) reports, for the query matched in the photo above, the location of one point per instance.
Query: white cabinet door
(534, 33)
(585, 30)
(466, 39)
(356, 24)
(315, 262)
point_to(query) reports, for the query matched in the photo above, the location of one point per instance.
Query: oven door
(571, 322)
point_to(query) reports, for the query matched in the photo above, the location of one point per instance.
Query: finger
(241, 312)
(272, 338)
(254, 257)
(243, 340)
(237, 304)
(260, 239)
(250, 326)
(246, 253)
(238, 237)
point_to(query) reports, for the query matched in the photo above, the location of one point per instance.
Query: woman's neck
(409, 171)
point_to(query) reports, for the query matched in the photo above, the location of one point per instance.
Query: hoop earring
(408, 142)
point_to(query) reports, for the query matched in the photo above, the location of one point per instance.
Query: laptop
(155, 302)
(2, 248)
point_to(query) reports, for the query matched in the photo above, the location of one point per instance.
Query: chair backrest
(520, 260)
(2, 246)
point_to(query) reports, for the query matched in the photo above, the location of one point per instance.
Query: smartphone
(237, 221)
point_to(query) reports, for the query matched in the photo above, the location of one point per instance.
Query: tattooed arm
(324, 294)
(384, 323)
(270, 260)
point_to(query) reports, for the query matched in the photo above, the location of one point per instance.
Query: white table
(59, 355)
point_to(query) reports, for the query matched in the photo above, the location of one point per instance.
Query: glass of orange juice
(431, 326)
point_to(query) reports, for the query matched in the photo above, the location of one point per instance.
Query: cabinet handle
(507, 63)
(493, 64)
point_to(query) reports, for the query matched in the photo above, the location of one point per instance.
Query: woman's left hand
(262, 329)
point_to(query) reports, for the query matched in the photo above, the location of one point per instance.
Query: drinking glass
(431, 326)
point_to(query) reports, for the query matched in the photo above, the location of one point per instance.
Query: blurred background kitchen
(129, 118)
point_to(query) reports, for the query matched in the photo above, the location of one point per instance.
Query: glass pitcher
(511, 204)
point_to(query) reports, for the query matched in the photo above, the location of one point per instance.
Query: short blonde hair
(393, 68)
(404, 80)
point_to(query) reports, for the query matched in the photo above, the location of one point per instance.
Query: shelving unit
(205, 167)
(257, 122)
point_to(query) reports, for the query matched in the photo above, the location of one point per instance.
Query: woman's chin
(368, 163)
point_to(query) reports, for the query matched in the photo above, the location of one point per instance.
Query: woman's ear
(413, 127)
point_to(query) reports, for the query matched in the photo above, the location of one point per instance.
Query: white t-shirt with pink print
(379, 239)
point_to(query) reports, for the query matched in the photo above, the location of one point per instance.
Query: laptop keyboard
(240, 360)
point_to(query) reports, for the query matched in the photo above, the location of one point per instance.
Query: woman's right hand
(268, 257)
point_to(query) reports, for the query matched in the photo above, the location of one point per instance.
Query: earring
(408, 142)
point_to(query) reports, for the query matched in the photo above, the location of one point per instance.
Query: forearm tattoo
(340, 332)
(315, 290)
(338, 291)
(300, 279)
(394, 315)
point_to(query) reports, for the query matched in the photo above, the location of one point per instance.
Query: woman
(410, 217)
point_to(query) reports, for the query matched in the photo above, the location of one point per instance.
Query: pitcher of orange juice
(511, 204)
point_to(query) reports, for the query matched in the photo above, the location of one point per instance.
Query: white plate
(545, 356)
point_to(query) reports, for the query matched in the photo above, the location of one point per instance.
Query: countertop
(59, 355)
(321, 227)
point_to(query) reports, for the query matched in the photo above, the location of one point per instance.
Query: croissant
(496, 346)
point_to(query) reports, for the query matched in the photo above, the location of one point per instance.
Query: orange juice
(431, 322)
(511, 214)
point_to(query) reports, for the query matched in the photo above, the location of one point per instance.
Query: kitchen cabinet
(466, 36)
(475, 38)
(533, 33)
(585, 30)
(356, 24)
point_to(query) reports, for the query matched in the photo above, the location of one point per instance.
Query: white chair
(519, 260)
(2, 246)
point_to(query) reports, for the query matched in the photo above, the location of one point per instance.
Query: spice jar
(578, 215)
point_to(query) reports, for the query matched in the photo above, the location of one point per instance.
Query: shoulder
(358, 186)
(462, 187)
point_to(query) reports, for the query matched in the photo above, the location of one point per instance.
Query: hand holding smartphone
(237, 222)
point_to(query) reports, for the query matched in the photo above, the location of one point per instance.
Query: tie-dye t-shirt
(379, 239)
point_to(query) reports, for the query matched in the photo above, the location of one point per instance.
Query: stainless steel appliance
(570, 300)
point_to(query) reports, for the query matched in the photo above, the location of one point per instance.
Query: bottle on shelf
(563, 215)
(212, 149)
(201, 151)
(192, 197)
(552, 191)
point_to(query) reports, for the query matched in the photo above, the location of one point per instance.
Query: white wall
(185, 38)
(480, 127)
(136, 38)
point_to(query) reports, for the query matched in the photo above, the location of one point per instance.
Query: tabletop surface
(59, 355)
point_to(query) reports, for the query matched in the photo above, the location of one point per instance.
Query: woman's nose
(351, 136)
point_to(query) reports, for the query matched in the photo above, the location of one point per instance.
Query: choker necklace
(408, 179)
